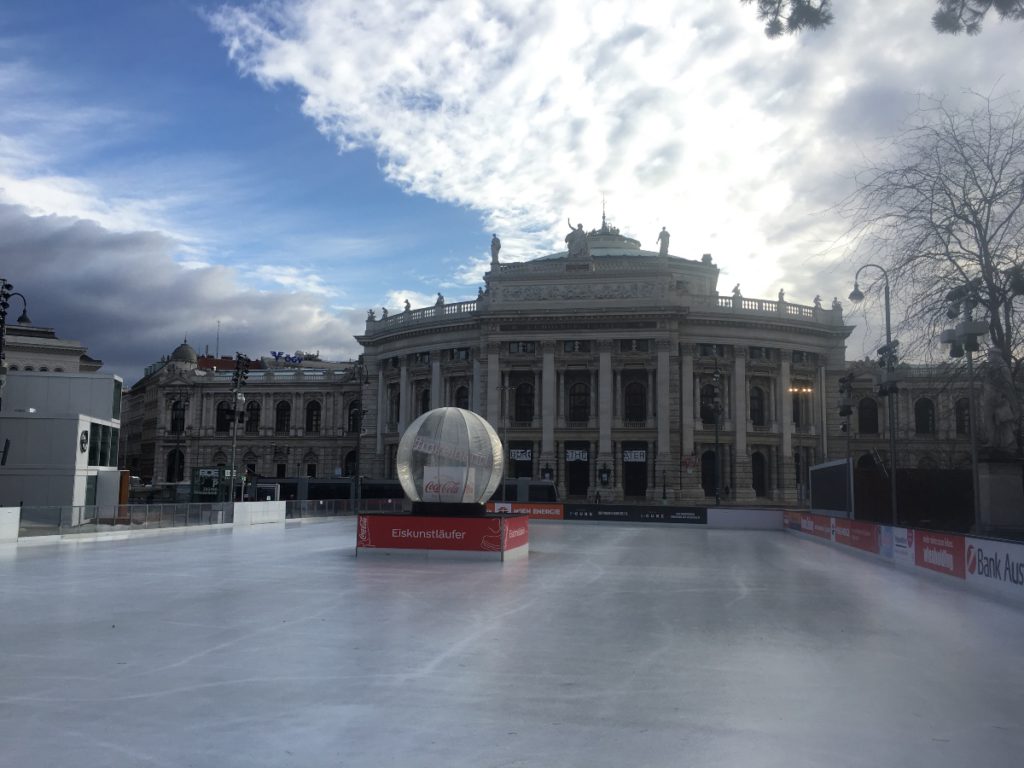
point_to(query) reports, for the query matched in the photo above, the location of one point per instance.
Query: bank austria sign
(996, 565)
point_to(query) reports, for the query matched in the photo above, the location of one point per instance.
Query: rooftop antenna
(603, 224)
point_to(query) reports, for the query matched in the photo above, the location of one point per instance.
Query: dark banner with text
(630, 513)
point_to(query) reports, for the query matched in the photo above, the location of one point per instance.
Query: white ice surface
(611, 645)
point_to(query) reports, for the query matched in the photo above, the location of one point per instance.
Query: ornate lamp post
(505, 389)
(6, 292)
(888, 388)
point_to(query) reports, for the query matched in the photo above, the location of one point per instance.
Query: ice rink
(611, 645)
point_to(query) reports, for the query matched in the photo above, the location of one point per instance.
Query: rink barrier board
(989, 565)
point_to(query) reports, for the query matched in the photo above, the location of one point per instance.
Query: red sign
(942, 552)
(469, 534)
(818, 525)
(517, 532)
(854, 533)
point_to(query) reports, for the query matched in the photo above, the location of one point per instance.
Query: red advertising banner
(470, 534)
(817, 525)
(854, 533)
(536, 511)
(941, 552)
(517, 532)
(792, 520)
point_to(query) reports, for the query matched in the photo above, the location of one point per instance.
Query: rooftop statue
(577, 242)
(663, 237)
(495, 247)
(408, 306)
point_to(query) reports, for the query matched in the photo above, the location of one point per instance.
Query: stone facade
(596, 371)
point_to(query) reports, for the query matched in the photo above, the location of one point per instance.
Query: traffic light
(845, 395)
(887, 356)
(238, 378)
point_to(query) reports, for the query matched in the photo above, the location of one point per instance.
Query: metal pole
(891, 405)
(239, 397)
(971, 409)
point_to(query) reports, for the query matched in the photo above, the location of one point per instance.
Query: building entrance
(577, 468)
(634, 469)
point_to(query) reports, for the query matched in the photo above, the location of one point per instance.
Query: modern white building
(62, 430)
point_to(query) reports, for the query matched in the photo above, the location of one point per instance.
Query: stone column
(493, 394)
(435, 379)
(547, 387)
(743, 490)
(382, 404)
(403, 397)
(787, 488)
(474, 395)
(688, 400)
(604, 406)
(662, 412)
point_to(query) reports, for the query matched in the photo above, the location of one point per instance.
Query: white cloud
(530, 111)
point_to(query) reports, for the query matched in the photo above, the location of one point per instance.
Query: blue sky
(280, 168)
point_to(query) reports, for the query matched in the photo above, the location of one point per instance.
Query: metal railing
(60, 520)
(338, 507)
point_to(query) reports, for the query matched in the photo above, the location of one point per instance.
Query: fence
(50, 521)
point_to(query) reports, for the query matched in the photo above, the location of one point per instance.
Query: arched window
(354, 409)
(44, 369)
(252, 418)
(867, 416)
(177, 417)
(175, 466)
(524, 402)
(313, 417)
(758, 416)
(350, 463)
(963, 416)
(223, 416)
(707, 405)
(635, 405)
(282, 417)
(424, 400)
(924, 417)
(866, 461)
(462, 398)
(579, 402)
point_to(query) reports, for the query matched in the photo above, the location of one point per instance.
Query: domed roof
(184, 354)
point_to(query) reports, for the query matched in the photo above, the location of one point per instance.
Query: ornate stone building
(607, 371)
(614, 371)
(298, 418)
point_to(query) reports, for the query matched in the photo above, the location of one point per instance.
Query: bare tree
(951, 17)
(944, 212)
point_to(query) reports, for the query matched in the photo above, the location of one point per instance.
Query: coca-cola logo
(442, 487)
(972, 559)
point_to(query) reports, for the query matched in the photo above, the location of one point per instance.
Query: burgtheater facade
(615, 371)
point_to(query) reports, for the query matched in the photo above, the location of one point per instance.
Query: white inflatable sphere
(450, 456)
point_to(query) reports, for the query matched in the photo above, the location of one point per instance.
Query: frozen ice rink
(611, 645)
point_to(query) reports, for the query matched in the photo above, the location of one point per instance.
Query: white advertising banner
(903, 547)
(995, 566)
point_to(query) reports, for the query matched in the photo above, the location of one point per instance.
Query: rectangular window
(799, 356)
(760, 353)
(571, 347)
(281, 469)
(711, 350)
(311, 470)
(421, 358)
(521, 347)
(634, 345)
(459, 354)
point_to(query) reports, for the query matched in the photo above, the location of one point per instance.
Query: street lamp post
(237, 382)
(6, 292)
(505, 389)
(888, 388)
(963, 342)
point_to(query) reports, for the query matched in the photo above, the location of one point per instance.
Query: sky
(253, 176)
